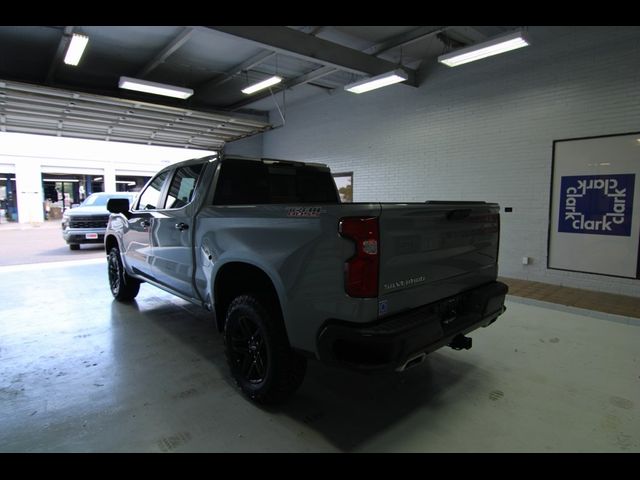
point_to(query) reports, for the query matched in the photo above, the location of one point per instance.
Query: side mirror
(118, 205)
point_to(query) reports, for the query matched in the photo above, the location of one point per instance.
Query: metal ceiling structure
(41, 94)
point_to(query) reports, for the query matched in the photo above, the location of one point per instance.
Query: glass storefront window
(8, 198)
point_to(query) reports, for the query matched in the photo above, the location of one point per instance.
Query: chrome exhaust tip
(412, 362)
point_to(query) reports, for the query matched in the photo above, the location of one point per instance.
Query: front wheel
(123, 286)
(74, 246)
(261, 360)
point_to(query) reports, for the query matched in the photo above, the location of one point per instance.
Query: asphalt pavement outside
(40, 243)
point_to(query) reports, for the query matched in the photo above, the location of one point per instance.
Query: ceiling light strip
(262, 85)
(155, 88)
(76, 48)
(378, 81)
(486, 49)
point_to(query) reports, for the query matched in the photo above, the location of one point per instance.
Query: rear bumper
(388, 344)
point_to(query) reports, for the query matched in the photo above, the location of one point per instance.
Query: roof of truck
(226, 158)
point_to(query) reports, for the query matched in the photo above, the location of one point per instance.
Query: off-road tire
(123, 287)
(260, 358)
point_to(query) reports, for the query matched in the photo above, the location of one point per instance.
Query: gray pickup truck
(290, 273)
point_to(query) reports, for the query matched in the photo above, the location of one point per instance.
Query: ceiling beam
(312, 49)
(59, 55)
(166, 52)
(233, 72)
(389, 44)
(306, 78)
(403, 39)
(309, 77)
(469, 34)
(254, 62)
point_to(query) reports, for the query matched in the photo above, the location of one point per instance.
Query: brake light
(361, 270)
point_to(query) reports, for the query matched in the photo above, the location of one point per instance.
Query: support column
(109, 179)
(29, 190)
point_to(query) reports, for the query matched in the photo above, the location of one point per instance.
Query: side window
(150, 197)
(183, 186)
(242, 183)
(254, 183)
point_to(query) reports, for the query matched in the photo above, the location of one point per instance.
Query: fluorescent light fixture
(378, 81)
(261, 85)
(155, 88)
(76, 49)
(491, 47)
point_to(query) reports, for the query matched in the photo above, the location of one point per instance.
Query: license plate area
(449, 310)
(468, 307)
(91, 236)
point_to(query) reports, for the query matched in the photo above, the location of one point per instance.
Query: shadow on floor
(347, 408)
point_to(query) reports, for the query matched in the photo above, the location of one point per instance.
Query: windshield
(96, 200)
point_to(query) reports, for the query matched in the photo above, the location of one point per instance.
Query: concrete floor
(81, 373)
(40, 243)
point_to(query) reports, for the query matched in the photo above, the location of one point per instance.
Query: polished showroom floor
(575, 297)
(81, 373)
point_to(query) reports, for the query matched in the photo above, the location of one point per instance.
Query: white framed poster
(594, 225)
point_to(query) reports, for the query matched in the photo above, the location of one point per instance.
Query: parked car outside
(87, 222)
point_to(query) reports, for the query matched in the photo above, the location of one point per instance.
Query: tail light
(361, 270)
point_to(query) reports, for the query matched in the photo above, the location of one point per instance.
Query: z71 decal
(303, 212)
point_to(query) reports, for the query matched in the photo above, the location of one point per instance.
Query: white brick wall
(482, 131)
(246, 147)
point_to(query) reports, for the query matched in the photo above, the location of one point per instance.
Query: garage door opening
(44, 179)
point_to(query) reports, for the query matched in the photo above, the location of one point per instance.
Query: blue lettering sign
(597, 204)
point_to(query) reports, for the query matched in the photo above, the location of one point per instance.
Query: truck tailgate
(434, 250)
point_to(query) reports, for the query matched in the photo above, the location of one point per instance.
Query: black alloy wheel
(258, 352)
(123, 287)
(249, 350)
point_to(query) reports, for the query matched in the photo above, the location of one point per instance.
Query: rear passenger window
(183, 186)
(150, 197)
(242, 183)
(253, 183)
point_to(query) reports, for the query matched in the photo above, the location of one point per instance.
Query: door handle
(182, 226)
